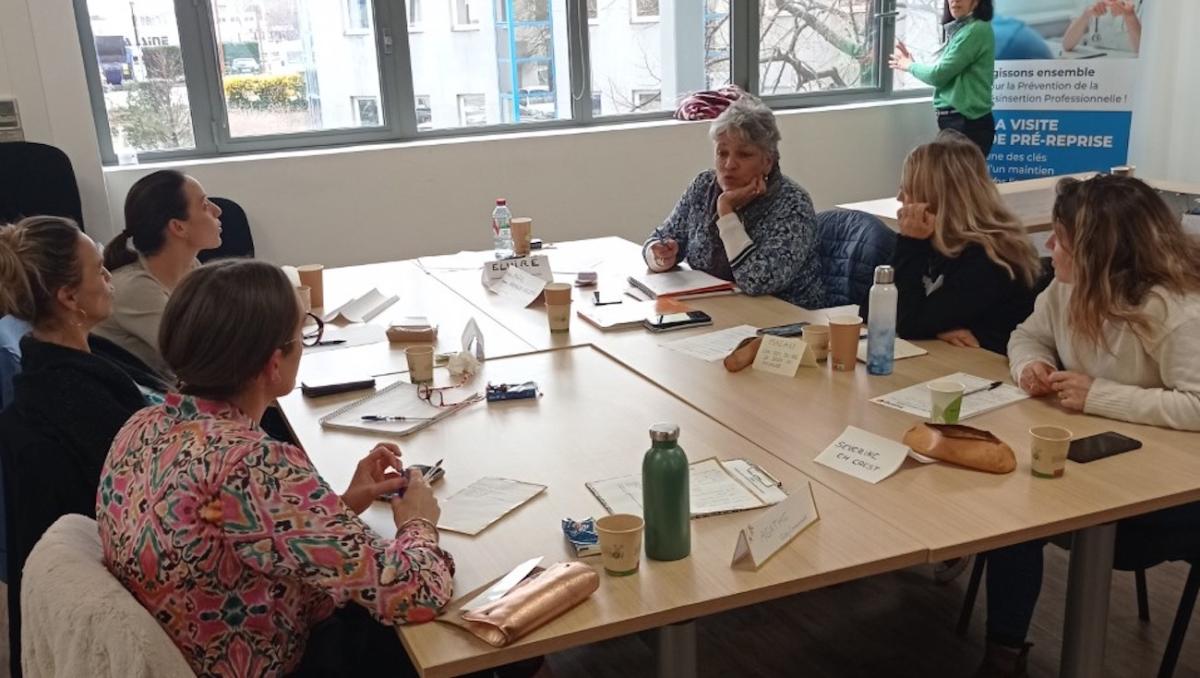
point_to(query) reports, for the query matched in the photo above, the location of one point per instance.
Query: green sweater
(962, 77)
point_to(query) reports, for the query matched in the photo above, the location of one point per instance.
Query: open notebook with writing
(717, 486)
(396, 410)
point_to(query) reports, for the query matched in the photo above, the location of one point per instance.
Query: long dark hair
(984, 11)
(223, 323)
(152, 203)
(37, 259)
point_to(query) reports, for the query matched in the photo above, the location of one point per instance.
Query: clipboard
(398, 399)
(741, 486)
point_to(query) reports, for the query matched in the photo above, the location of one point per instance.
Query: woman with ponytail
(168, 221)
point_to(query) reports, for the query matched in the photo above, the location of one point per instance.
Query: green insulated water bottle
(666, 498)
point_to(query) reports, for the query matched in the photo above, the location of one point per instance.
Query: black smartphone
(1100, 446)
(677, 321)
(318, 390)
(793, 330)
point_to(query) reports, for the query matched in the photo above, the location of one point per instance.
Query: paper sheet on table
(461, 261)
(904, 349)
(716, 487)
(915, 398)
(475, 507)
(712, 346)
(362, 309)
(518, 287)
(352, 335)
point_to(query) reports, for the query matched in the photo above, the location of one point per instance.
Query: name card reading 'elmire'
(863, 455)
(536, 265)
(771, 531)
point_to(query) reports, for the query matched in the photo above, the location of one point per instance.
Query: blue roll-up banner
(1065, 73)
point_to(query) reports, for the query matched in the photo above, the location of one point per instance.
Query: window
(821, 46)
(424, 112)
(295, 74)
(140, 72)
(464, 15)
(472, 110)
(335, 76)
(643, 10)
(647, 99)
(366, 110)
(920, 29)
(358, 16)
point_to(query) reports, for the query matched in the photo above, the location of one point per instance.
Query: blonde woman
(965, 268)
(1114, 335)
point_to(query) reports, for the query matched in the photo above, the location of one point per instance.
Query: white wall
(369, 204)
(42, 67)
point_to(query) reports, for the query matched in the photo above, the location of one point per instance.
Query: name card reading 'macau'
(863, 455)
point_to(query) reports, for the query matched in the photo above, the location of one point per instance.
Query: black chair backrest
(236, 240)
(37, 179)
(851, 244)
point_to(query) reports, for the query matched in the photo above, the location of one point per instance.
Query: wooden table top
(420, 295)
(591, 424)
(953, 511)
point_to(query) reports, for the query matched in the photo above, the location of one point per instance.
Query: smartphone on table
(677, 321)
(1099, 446)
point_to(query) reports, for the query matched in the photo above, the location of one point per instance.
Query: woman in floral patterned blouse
(231, 539)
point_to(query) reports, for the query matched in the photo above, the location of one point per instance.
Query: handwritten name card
(777, 526)
(783, 355)
(863, 455)
(536, 265)
(518, 287)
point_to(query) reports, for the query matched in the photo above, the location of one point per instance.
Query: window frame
(417, 25)
(637, 18)
(456, 23)
(397, 103)
(348, 27)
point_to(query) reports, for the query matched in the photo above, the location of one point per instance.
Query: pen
(381, 417)
(990, 387)
(331, 342)
(433, 470)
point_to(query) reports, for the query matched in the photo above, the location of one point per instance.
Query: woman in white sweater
(1117, 335)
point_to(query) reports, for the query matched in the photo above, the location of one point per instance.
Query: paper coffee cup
(1049, 450)
(843, 341)
(420, 364)
(559, 316)
(557, 294)
(305, 294)
(817, 338)
(521, 229)
(312, 276)
(620, 543)
(945, 401)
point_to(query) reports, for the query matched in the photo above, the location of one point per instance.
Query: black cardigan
(67, 407)
(938, 293)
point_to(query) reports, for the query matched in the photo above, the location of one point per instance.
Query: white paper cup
(420, 364)
(1049, 450)
(620, 543)
(945, 401)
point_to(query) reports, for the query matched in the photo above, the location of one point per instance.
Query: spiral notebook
(397, 410)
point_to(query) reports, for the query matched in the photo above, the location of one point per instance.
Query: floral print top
(235, 543)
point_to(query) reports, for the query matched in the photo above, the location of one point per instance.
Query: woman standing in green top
(962, 77)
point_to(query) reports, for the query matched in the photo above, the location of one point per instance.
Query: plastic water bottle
(502, 229)
(881, 323)
(666, 498)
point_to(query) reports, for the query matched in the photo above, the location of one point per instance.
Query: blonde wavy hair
(951, 176)
(1123, 241)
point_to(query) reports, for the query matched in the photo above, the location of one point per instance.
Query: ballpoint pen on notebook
(331, 342)
(381, 417)
(990, 387)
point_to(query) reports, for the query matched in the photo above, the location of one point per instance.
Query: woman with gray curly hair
(743, 221)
